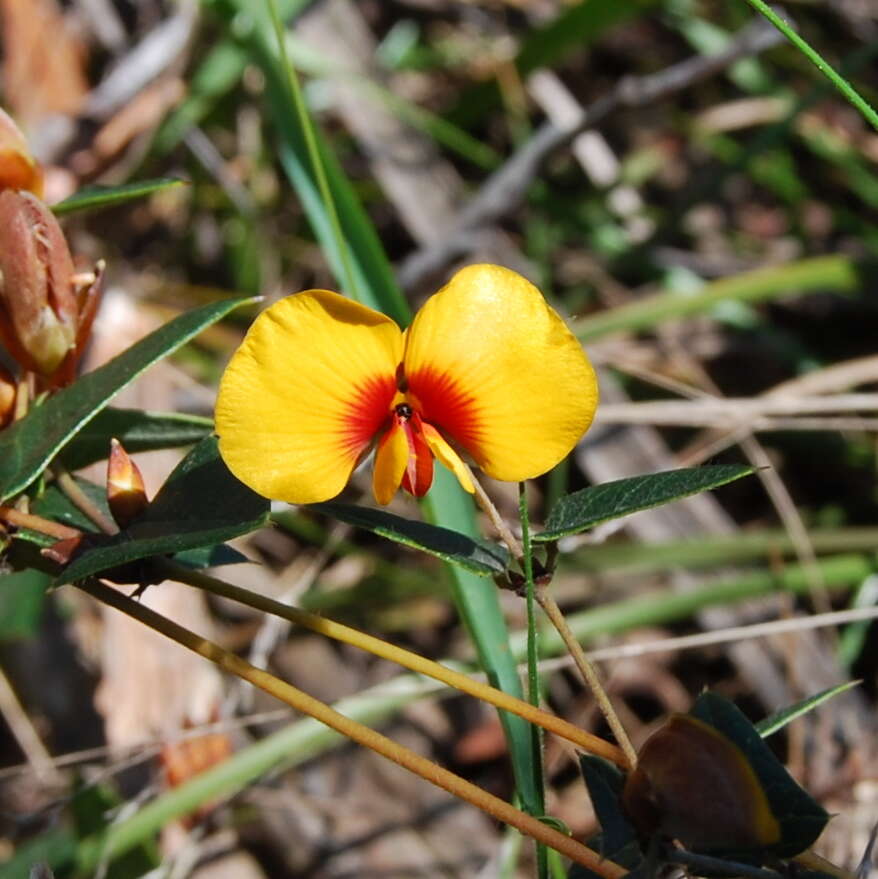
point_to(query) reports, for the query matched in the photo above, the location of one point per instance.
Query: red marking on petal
(418, 475)
(367, 413)
(444, 404)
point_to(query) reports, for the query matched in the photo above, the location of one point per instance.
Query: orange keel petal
(448, 457)
(391, 460)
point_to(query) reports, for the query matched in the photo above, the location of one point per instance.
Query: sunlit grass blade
(478, 604)
(837, 273)
(354, 251)
(375, 285)
(92, 198)
(770, 725)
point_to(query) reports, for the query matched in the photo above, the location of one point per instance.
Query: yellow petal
(448, 457)
(305, 394)
(391, 458)
(495, 368)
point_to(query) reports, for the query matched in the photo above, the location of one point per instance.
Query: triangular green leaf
(138, 431)
(801, 818)
(27, 446)
(478, 556)
(200, 505)
(600, 503)
(771, 724)
(605, 782)
(93, 197)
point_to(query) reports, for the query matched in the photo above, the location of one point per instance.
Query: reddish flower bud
(8, 389)
(62, 551)
(126, 494)
(18, 168)
(39, 308)
(695, 785)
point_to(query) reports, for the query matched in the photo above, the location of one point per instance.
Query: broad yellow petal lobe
(490, 364)
(305, 394)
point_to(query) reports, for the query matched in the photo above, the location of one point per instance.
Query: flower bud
(126, 493)
(8, 389)
(18, 168)
(695, 785)
(39, 309)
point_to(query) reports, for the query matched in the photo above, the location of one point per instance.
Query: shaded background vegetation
(714, 246)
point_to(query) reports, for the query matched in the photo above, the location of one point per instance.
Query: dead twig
(503, 191)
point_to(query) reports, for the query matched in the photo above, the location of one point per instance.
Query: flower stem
(533, 676)
(588, 672)
(412, 661)
(37, 523)
(357, 732)
(497, 520)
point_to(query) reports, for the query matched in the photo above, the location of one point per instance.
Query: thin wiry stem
(37, 523)
(412, 661)
(356, 732)
(487, 505)
(82, 501)
(588, 672)
(533, 677)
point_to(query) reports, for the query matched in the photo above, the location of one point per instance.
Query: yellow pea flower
(486, 367)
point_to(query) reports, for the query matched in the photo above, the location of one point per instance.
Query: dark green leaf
(605, 782)
(771, 724)
(478, 556)
(91, 808)
(28, 446)
(93, 197)
(55, 505)
(138, 431)
(800, 817)
(210, 557)
(600, 503)
(21, 603)
(200, 505)
(55, 847)
(630, 856)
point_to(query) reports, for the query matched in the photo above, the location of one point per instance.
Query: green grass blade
(770, 725)
(837, 273)
(479, 605)
(372, 281)
(476, 598)
(92, 198)
(852, 95)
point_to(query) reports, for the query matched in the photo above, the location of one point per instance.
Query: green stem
(818, 61)
(533, 674)
(298, 100)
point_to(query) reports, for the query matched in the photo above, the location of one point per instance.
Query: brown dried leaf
(43, 60)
